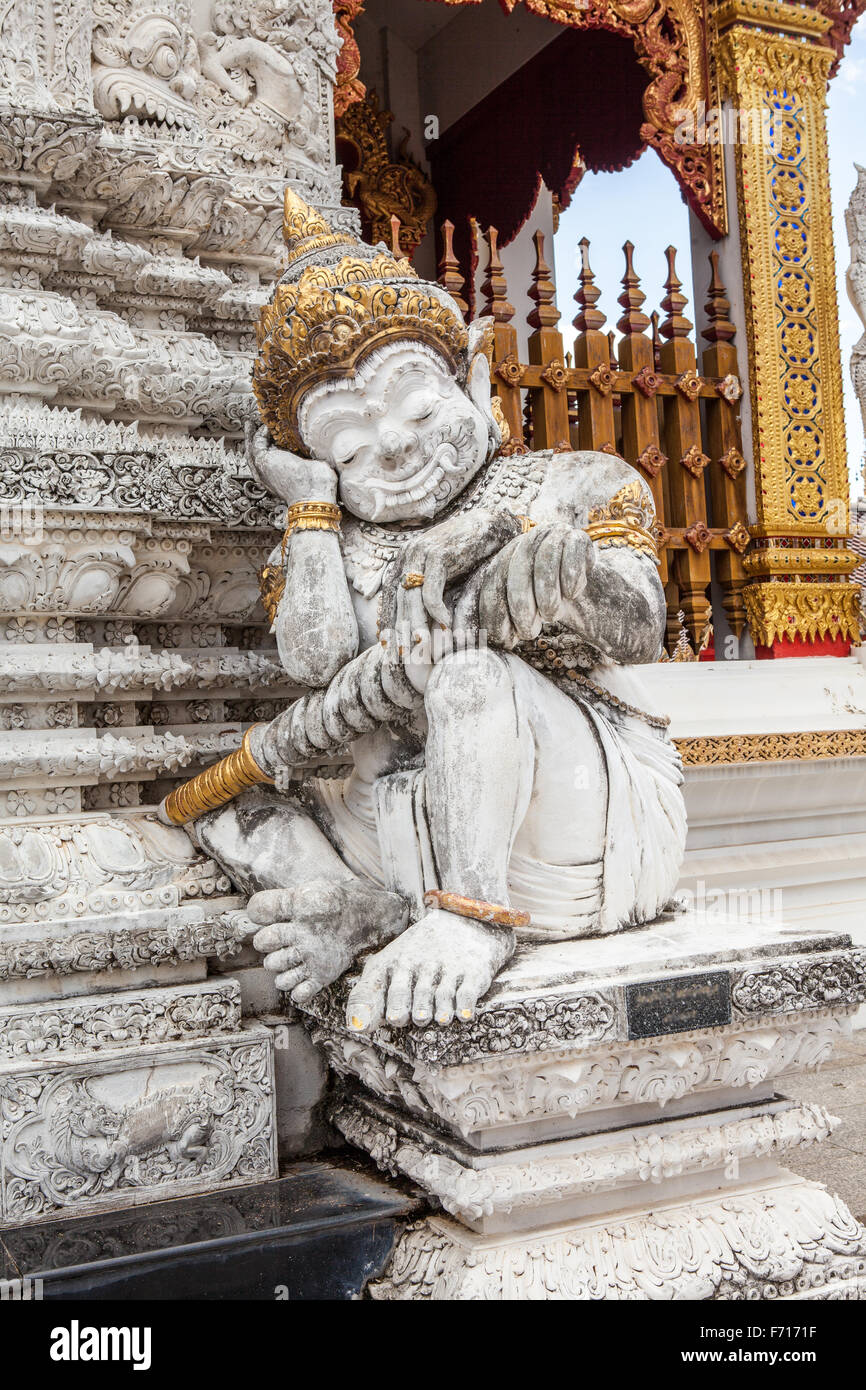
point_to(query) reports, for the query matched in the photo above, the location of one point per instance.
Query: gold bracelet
(301, 516)
(477, 909)
(413, 580)
(526, 523)
(313, 516)
(216, 785)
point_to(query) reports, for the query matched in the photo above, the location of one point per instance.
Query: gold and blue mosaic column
(773, 64)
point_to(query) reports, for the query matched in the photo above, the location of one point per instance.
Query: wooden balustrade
(647, 397)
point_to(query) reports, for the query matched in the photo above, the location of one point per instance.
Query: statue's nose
(392, 444)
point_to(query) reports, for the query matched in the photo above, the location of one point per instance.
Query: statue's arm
(315, 624)
(557, 575)
(621, 611)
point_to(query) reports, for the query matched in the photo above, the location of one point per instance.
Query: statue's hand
(444, 553)
(287, 475)
(533, 581)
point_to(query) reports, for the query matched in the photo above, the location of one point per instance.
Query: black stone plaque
(678, 1004)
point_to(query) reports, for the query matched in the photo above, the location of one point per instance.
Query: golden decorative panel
(789, 280)
(348, 87)
(776, 610)
(771, 748)
(795, 376)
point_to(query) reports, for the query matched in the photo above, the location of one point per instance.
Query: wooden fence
(646, 399)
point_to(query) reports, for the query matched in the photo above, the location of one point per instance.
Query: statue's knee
(465, 683)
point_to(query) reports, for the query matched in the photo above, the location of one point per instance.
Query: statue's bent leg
(504, 738)
(316, 915)
(496, 733)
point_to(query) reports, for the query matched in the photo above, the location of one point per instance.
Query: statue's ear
(478, 384)
(478, 376)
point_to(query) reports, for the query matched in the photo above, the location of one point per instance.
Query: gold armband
(313, 516)
(625, 520)
(301, 516)
(216, 785)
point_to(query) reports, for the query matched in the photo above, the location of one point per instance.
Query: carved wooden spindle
(632, 297)
(673, 631)
(595, 418)
(546, 350)
(494, 287)
(542, 290)
(641, 443)
(587, 295)
(719, 329)
(506, 369)
(675, 325)
(727, 472)
(528, 419)
(449, 268)
(687, 492)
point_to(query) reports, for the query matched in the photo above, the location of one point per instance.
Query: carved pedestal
(613, 1122)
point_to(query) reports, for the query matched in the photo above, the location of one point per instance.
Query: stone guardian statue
(466, 623)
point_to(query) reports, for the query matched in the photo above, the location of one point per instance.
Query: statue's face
(402, 434)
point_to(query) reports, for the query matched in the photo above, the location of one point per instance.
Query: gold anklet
(477, 909)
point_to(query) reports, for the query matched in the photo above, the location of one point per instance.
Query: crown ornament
(338, 300)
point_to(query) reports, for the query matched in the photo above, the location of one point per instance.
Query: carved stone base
(611, 1123)
(113, 1100)
(789, 1241)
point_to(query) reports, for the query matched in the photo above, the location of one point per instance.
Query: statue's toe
(273, 937)
(445, 992)
(278, 961)
(400, 992)
(290, 978)
(422, 999)
(365, 1006)
(468, 994)
(306, 990)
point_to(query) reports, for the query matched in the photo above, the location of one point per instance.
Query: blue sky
(643, 204)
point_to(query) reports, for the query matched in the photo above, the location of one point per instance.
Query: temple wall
(143, 157)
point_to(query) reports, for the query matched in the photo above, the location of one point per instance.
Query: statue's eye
(421, 407)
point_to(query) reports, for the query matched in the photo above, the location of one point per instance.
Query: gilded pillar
(773, 67)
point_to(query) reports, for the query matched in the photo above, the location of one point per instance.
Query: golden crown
(330, 310)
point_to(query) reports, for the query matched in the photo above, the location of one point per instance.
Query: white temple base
(788, 1239)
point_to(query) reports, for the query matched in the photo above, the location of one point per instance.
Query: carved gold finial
(306, 230)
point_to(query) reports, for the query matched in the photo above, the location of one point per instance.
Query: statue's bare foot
(311, 935)
(440, 966)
